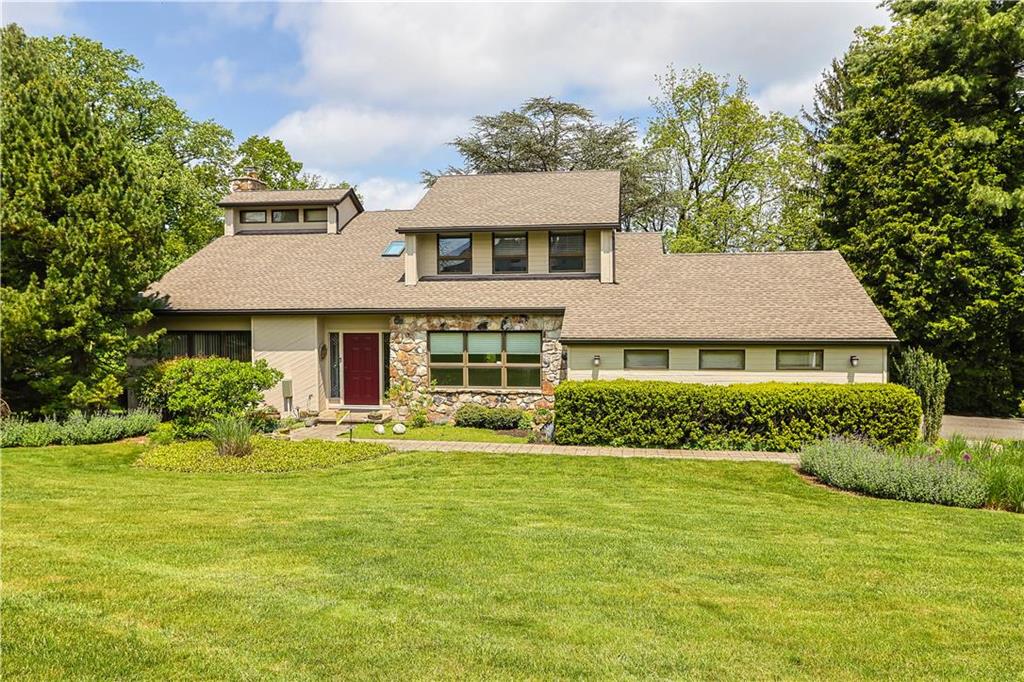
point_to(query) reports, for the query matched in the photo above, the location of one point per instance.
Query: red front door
(361, 366)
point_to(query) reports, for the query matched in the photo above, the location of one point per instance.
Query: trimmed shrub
(196, 391)
(927, 376)
(857, 466)
(494, 418)
(231, 436)
(77, 429)
(771, 416)
(268, 456)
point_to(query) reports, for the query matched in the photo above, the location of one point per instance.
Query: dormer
(557, 225)
(253, 209)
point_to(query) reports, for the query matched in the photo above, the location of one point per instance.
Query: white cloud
(788, 97)
(330, 137)
(37, 17)
(488, 56)
(381, 193)
(223, 71)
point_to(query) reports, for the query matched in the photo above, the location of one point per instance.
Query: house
(495, 288)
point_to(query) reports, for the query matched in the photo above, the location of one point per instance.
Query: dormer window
(510, 253)
(454, 254)
(250, 217)
(315, 215)
(567, 252)
(286, 215)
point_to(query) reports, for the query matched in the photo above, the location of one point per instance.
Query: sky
(371, 93)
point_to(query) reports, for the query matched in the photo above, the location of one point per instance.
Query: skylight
(395, 248)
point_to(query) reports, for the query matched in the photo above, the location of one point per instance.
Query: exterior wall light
(854, 361)
(597, 361)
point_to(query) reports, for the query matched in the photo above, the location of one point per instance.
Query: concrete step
(356, 416)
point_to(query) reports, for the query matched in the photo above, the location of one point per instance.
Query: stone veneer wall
(409, 359)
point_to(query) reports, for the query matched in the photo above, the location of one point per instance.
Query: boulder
(378, 429)
(398, 428)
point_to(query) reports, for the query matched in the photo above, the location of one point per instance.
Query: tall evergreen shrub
(928, 377)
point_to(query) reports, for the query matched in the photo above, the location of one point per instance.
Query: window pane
(571, 243)
(315, 215)
(238, 345)
(446, 376)
(446, 347)
(799, 359)
(646, 359)
(485, 376)
(335, 363)
(510, 245)
(253, 217)
(505, 264)
(289, 215)
(206, 343)
(484, 346)
(566, 264)
(522, 347)
(174, 345)
(455, 247)
(523, 376)
(722, 359)
(454, 265)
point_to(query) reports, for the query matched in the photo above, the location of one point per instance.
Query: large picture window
(188, 344)
(567, 252)
(486, 359)
(454, 254)
(510, 253)
(800, 359)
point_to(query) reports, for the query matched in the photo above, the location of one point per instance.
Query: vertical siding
(426, 254)
(482, 253)
(684, 365)
(593, 250)
(537, 243)
(289, 343)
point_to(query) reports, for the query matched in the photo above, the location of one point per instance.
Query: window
(645, 359)
(395, 248)
(486, 359)
(231, 345)
(509, 253)
(799, 359)
(723, 359)
(566, 252)
(314, 215)
(454, 254)
(253, 217)
(287, 215)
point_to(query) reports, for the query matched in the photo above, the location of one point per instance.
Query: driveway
(980, 428)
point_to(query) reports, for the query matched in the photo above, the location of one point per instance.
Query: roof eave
(507, 228)
(874, 341)
(296, 202)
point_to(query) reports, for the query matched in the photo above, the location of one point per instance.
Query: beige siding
(346, 211)
(593, 250)
(203, 323)
(426, 254)
(289, 343)
(482, 253)
(537, 242)
(760, 365)
(607, 244)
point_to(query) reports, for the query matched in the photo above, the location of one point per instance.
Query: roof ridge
(549, 172)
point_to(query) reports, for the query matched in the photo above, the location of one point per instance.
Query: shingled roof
(794, 296)
(516, 200)
(278, 197)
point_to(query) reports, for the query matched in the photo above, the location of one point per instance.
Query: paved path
(980, 428)
(332, 432)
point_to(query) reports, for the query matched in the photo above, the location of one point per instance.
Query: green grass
(268, 456)
(426, 565)
(462, 434)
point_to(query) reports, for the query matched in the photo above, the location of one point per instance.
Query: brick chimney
(247, 183)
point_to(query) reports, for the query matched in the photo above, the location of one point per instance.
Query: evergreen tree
(922, 154)
(82, 234)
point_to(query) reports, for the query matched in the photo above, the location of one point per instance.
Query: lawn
(441, 432)
(426, 565)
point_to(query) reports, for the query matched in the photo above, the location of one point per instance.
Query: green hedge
(772, 416)
(77, 429)
(494, 418)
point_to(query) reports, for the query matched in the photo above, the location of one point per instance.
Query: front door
(361, 368)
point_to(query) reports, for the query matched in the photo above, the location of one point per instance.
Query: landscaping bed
(268, 456)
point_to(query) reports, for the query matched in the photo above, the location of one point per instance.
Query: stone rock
(378, 429)
(398, 428)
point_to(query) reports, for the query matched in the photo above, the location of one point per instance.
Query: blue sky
(370, 93)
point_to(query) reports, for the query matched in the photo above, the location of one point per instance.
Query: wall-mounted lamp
(597, 361)
(854, 361)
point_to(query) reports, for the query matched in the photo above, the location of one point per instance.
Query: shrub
(196, 391)
(770, 416)
(928, 377)
(231, 436)
(77, 429)
(857, 466)
(268, 456)
(494, 418)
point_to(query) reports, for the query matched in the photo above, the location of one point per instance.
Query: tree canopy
(921, 144)
(270, 161)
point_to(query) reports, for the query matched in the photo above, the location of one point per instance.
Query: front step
(349, 416)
